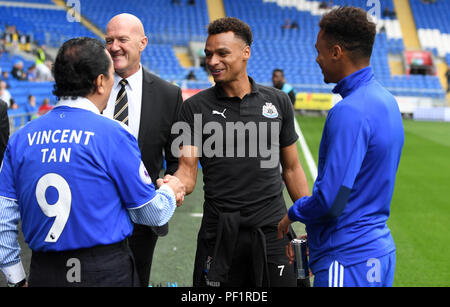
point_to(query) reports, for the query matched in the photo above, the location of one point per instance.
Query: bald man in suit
(151, 109)
(4, 128)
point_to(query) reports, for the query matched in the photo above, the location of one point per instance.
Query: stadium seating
(293, 50)
(161, 59)
(45, 26)
(166, 24)
(7, 62)
(32, 1)
(433, 24)
(390, 25)
(20, 90)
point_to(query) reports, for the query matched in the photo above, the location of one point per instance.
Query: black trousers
(142, 243)
(100, 266)
(280, 272)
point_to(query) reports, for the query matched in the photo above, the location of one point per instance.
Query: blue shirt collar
(350, 83)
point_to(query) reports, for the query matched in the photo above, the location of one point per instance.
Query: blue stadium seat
(294, 52)
(169, 25)
(433, 24)
(45, 26)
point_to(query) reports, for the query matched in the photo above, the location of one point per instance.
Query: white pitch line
(196, 214)
(305, 149)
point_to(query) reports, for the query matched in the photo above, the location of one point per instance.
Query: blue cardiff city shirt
(359, 154)
(75, 175)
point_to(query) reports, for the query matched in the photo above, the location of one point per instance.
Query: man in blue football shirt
(345, 217)
(76, 181)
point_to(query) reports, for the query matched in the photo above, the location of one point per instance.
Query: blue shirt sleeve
(158, 211)
(125, 167)
(145, 205)
(343, 148)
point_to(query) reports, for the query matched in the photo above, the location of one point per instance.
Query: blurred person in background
(17, 71)
(13, 105)
(447, 74)
(32, 73)
(5, 75)
(40, 55)
(4, 93)
(44, 107)
(44, 71)
(31, 107)
(279, 82)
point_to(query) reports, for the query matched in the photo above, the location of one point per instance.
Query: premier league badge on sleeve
(145, 177)
(269, 110)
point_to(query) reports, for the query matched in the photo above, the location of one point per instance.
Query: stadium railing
(17, 121)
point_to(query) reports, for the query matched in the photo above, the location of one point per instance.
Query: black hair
(350, 28)
(278, 70)
(78, 64)
(235, 25)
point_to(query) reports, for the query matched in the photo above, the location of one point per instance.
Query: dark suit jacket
(161, 102)
(4, 128)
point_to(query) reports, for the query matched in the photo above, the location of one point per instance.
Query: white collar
(133, 81)
(79, 102)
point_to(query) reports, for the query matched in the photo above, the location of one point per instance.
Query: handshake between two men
(176, 185)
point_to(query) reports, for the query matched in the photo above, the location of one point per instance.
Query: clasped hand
(176, 185)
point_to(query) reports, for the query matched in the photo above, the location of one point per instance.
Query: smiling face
(326, 59)
(226, 56)
(125, 41)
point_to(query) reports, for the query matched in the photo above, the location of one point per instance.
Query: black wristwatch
(17, 285)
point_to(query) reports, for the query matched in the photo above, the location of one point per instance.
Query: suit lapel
(146, 112)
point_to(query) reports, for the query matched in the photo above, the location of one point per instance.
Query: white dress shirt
(6, 97)
(134, 95)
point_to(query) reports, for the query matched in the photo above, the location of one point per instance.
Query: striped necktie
(121, 106)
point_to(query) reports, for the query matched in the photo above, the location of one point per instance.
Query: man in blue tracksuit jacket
(345, 217)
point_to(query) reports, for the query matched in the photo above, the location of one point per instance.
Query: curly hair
(235, 25)
(350, 28)
(78, 63)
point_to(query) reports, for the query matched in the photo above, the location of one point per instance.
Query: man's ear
(247, 52)
(99, 82)
(336, 52)
(143, 43)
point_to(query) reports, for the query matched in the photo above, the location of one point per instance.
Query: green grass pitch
(420, 211)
